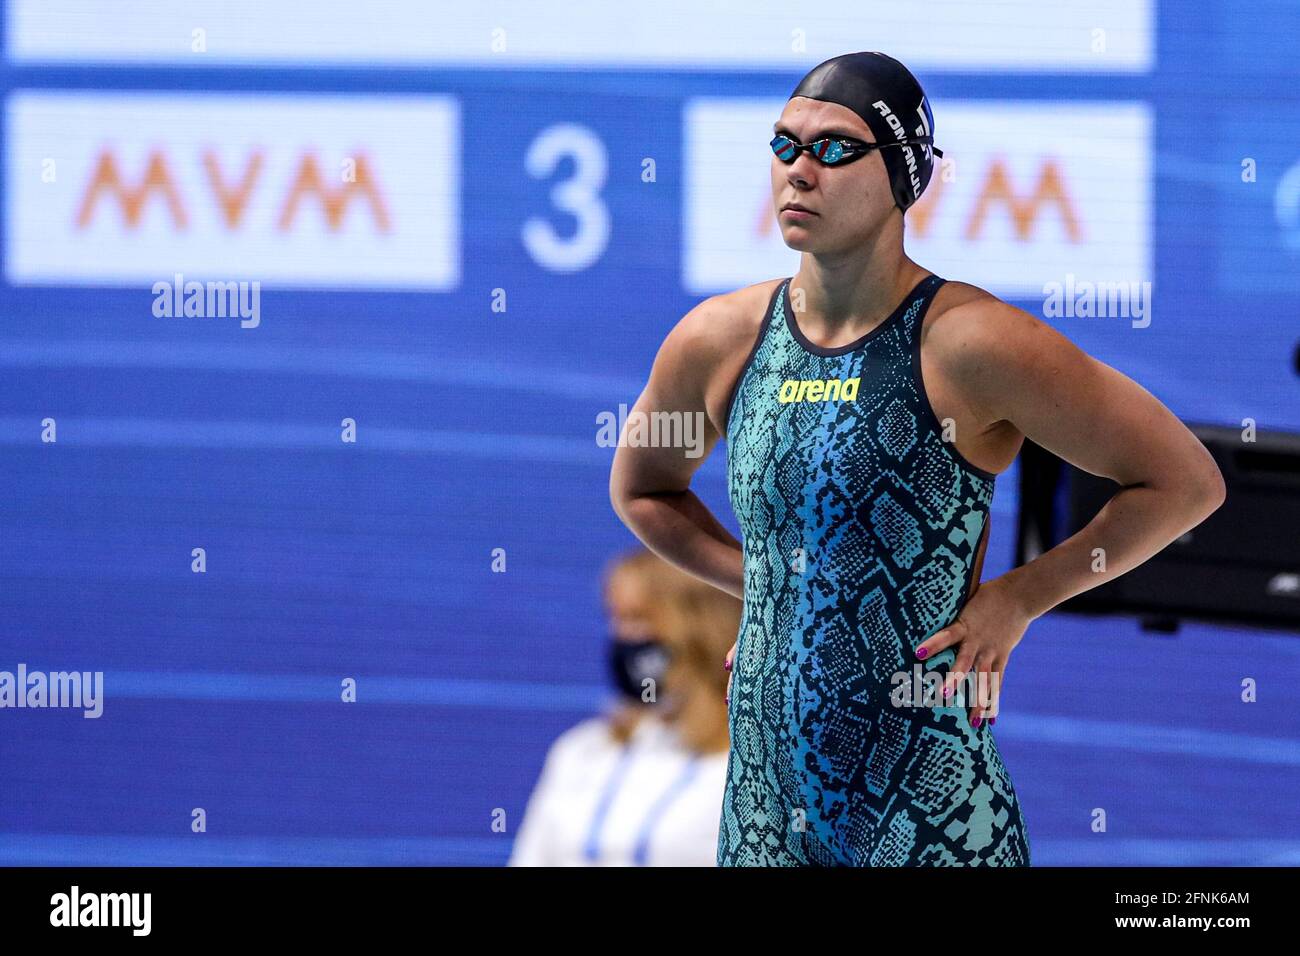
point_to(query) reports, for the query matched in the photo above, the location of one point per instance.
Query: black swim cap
(892, 104)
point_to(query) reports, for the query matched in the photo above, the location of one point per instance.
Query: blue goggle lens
(828, 151)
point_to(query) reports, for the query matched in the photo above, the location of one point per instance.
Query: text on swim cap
(900, 133)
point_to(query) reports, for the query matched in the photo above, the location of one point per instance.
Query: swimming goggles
(836, 150)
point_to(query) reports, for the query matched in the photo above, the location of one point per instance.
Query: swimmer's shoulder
(721, 323)
(717, 336)
(965, 317)
(985, 346)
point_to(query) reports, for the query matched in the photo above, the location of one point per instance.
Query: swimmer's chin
(798, 238)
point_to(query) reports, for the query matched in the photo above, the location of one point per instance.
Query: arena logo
(214, 300)
(658, 429)
(818, 390)
(1098, 300)
(69, 689)
(74, 908)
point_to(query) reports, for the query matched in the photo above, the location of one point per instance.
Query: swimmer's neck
(838, 296)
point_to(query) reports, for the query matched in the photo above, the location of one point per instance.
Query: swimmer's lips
(797, 211)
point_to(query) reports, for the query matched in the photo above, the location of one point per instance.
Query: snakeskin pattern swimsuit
(861, 529)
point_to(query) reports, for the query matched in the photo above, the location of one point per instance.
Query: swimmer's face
(850, 202)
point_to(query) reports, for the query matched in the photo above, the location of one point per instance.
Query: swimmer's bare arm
(1018, 369)
(649, 486)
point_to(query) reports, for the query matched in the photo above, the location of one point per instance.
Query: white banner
(291, 190)
(1026, 194)
(1106, 36)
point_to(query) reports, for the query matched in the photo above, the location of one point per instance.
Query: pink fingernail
(921, 652)
(975, 721)
(726, 665)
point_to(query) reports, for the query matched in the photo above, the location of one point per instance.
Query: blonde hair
(696, 621)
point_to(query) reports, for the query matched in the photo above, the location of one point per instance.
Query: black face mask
(631, 662)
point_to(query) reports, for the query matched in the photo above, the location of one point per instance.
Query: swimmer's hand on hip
(989, 626)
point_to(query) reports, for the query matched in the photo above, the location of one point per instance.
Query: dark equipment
(1241, 565)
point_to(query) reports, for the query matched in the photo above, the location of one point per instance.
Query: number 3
(579, 196)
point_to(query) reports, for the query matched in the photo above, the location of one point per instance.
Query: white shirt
(652, 802)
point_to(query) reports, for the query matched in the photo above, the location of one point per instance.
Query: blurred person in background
(641, 784)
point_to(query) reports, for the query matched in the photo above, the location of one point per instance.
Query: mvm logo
(357, 180)
(296, 190)
(819, 390)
